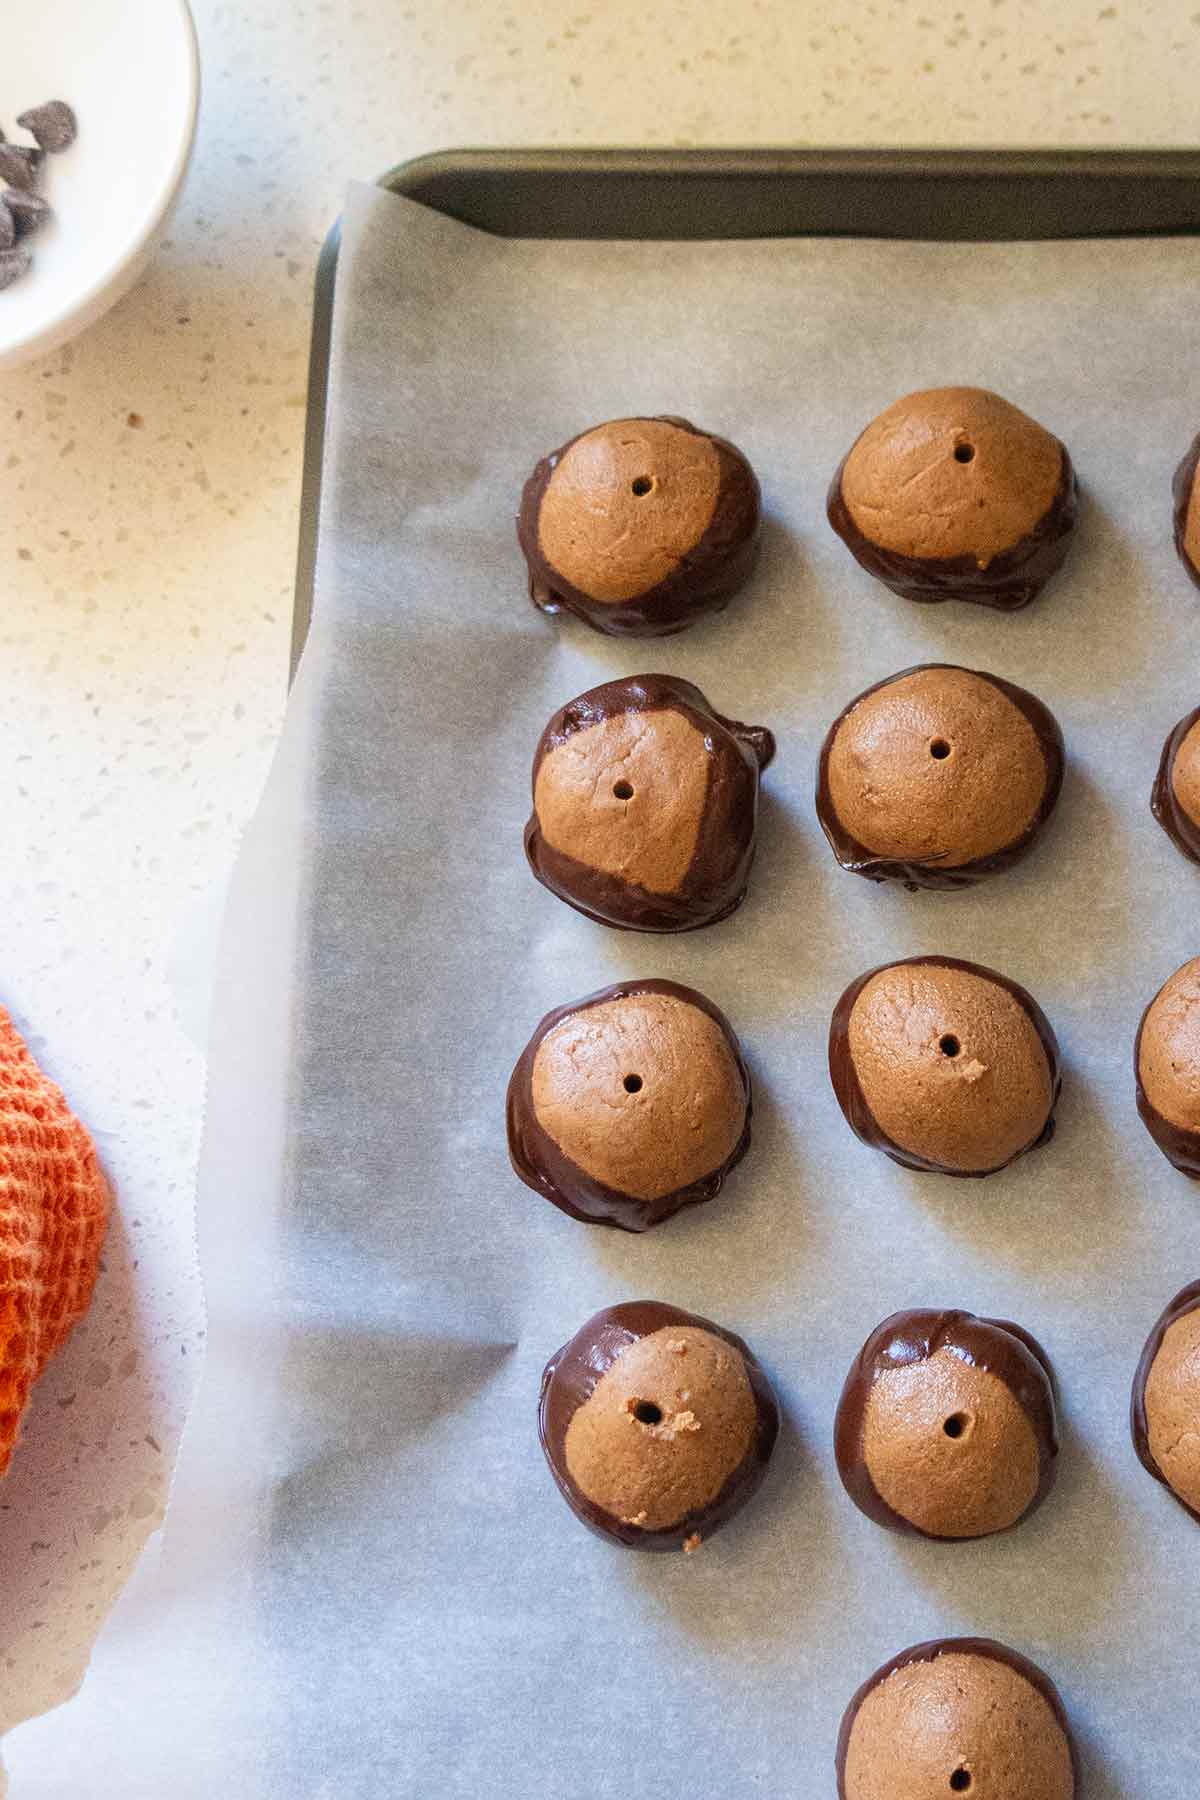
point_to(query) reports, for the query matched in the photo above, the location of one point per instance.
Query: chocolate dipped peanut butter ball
(644, 805)
(937, 777)
(640, 526)
(1166, 1062)
(1175, 797)
(657, 1425)
(957, 1716)
(946, 1426)
(629, 1105)
(944, 1065)
(1187, 512)
(1165, 1410)
(954, 494)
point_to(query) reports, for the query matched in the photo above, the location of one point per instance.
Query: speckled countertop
(149, 477)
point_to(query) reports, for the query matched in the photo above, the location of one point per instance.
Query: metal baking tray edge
(984, 195)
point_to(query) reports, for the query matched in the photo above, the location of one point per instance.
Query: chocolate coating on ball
(945, 1066)
(645, 802)
(938, 777)
(1165, 1407)
(1175, 797)
(640, 526)
(1166, 1061)
(954, 494)
(1187, 511)
(957, 1715)
(946, 1426)
(657, 1425)
(630, 1104)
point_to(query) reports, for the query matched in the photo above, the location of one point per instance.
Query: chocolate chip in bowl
(20, 166)
(13, 264)
(22, 207)
(28, 211)
(52, 126)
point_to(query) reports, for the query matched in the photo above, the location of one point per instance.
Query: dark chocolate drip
(1183, 831)
(967, 1646)
(1009, 582)
(852, 1101)
(704, 581)
(715, 882)
(1180, 1146)
(540, 1163)
(1186, 1300)
(570, 1378)
(996, 1345)
(1183, 482)
(859, 860)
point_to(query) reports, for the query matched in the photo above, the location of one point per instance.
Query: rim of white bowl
(52, 330)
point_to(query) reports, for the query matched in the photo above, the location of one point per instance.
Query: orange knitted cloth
(54, 1205)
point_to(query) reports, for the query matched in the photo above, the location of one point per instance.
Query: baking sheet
(370, 1585)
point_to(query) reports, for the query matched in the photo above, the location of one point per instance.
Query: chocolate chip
(53, 125)
(13, 264)
(19, 166)
(8, 229)
(28, 211)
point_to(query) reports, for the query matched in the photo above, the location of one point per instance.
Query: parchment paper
(370, 1586)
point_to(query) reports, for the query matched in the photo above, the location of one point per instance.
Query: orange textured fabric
(54, 1205)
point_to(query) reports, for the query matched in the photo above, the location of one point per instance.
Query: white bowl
(131, 71)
